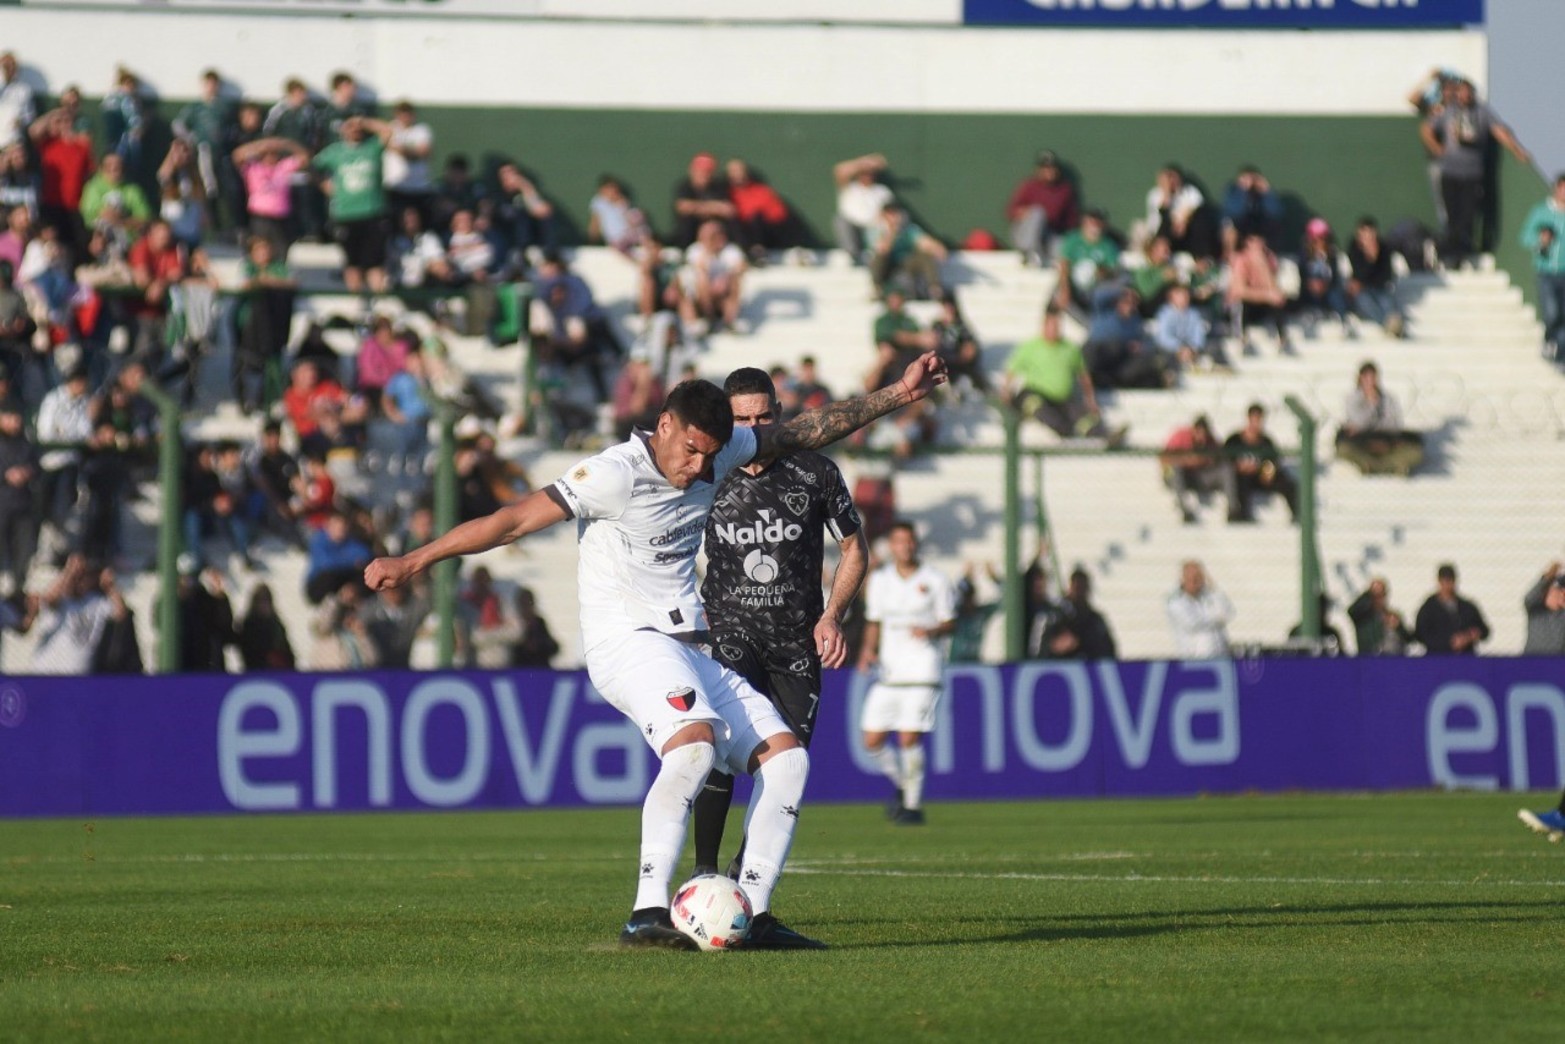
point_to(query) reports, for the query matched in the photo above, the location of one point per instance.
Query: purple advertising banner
(300, 742)
(1227, 14)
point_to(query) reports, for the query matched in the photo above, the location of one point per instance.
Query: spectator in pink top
(268, 166)
(381, 357)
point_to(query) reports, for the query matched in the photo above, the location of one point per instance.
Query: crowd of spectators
(106, 283)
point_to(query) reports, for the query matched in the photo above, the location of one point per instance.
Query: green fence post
(528, 401)
(170, 538)
(445, 520)
(1309, 546)
(1015, 626)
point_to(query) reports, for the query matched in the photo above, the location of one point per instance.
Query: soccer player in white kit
(909, 611)
(641, 508)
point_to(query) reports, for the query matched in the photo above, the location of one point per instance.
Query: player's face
(685, 452)
(904, 547)
(753, 411)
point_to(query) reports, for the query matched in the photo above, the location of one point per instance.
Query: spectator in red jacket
(155, 265)
(760, 215)
(65, 161)
(308, 392)
(1042, 207)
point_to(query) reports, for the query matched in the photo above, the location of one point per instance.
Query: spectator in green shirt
(209, 124)
(352, 169)
(1153, 279)
(900, 249)
(1047, 378)
(1088, 256)
(898, 340)
(109, 186)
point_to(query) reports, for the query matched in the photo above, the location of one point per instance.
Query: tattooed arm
(817, 428)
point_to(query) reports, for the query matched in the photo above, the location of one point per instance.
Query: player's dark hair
(703, 406)
(903, 523)
(750, 380)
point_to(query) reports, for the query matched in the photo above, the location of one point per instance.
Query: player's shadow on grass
(1065, 927)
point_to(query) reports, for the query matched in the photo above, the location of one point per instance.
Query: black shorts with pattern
(788, 674)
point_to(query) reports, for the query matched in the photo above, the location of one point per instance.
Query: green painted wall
(956, 171)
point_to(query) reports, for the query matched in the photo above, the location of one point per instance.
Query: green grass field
(1390, 917)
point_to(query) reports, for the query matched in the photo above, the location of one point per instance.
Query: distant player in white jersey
(909, 611)
(641, 508)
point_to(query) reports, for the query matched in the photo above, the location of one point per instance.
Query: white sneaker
(1551, 823)
(740, 326)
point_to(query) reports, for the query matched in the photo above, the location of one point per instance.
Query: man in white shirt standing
(641, 508)
(909, 611)
(17, 106)
(1199, 614)
(64, 425)
(861, 196)
(404, 170)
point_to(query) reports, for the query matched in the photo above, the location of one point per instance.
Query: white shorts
(663, 685)
(899, 708)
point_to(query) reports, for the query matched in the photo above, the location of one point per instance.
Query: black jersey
(765, 545)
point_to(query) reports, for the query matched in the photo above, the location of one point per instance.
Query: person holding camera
(1544, 235)
(1545, 605)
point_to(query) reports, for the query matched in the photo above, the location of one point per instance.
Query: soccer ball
(711, 910)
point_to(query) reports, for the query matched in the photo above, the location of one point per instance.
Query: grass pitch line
(818, 868)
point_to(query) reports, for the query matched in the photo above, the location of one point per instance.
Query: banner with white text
(527, 739)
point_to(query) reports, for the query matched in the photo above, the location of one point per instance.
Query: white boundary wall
(795, 68)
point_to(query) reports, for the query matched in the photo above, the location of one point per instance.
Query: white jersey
(899, 604)
(637, 538)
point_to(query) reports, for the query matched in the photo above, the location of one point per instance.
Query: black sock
(711, 815)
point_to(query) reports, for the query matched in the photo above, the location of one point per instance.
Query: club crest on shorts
(682, 699)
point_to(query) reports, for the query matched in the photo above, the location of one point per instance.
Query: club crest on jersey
(682, 699)
(580, 474)
(797, 502)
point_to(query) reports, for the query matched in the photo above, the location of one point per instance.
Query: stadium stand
(1109, 512)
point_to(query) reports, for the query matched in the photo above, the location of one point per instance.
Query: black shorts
(788, 674)
(363, 243)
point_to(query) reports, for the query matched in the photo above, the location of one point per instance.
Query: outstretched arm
(530, 514)
(816, 428)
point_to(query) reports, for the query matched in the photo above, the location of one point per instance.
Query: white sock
(664, 816)
(912, 775)
(769, 824)
(885, 758)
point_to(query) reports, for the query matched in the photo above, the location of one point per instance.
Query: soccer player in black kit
(770, 624)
